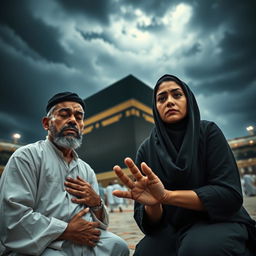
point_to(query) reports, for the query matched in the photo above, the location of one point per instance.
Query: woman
(192, 203)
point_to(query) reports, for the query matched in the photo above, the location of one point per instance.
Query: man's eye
(79, 118)
(64, 115)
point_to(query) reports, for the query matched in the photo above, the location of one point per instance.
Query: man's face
(66, 124)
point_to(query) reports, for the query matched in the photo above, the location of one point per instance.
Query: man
(49, 197)
(113, 201)
(118, 200)
(110, 197)
(249, 185)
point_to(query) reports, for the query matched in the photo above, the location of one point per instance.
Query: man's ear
(45, 122)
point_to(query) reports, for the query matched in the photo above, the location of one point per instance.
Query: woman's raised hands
(146, 189)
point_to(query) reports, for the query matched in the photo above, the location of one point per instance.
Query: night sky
(84, 46)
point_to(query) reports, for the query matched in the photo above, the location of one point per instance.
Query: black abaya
(193, 155)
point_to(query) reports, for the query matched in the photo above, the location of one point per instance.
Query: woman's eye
(161, 98)
(177, 95)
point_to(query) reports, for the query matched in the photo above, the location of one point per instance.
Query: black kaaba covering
(117, 120)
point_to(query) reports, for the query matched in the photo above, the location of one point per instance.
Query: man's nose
(72, 119)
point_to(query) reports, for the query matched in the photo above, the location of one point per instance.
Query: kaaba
(117, 120)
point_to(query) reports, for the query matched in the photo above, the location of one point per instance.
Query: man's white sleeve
(22, 229)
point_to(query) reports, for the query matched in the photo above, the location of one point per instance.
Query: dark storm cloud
(233, 67)
(40, 37)
(83, 46)
(236, 14)
(21, 97)
(8, 37)
(26, 85)
(96, 9)
(29, 50)
(93, 35)
(209, 14)
(155, 7)
(240, 103)
(194, 49)
(212, 79)
(154, 26)
(17, 81)
(233, 111)
(191, 50)
(240, 49)
(206, 14)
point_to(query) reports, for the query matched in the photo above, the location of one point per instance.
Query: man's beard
(66, 141)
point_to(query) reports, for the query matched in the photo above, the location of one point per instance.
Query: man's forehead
(69, 104)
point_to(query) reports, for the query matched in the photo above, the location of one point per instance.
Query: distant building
(244, 149)
(117, 120)
(6, 150)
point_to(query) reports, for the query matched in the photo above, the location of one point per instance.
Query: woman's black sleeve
(222, 195)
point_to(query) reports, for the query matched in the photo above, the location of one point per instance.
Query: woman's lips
(171, 112)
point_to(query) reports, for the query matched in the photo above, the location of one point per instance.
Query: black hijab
(176, 145)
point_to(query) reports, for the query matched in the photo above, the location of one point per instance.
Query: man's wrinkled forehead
(69, 105)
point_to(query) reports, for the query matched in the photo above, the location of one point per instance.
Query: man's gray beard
(68, 141)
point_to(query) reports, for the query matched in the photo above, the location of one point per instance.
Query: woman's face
(171, 102)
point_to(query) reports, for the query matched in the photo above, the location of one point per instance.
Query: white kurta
(35, 207)
(118, 200)
(110, 197)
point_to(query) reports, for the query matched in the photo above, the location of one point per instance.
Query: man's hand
(148, 189)
(80, 231)
(83, 190)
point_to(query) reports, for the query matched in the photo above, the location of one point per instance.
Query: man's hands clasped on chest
(83, 191)
(80, 231)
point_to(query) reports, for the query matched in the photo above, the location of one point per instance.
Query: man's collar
(58, 151)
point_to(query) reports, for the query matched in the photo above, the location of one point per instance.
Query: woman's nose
(170, 101)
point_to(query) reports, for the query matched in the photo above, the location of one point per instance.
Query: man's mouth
(70, 131)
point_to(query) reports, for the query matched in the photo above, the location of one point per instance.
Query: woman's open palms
(148, 189)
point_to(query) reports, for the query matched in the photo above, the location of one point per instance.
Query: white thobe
(35, 207)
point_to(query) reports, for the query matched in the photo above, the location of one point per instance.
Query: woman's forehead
(168, 85)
